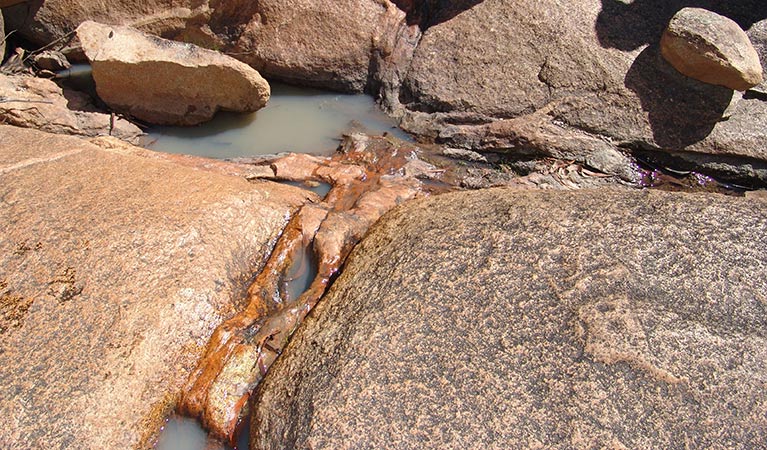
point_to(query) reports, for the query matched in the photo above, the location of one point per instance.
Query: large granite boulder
(46, 21)
(114, 271)
(711, 48)
(592, 67)
(42, 104)
(321, 43)
(166, 82)
(507, 319)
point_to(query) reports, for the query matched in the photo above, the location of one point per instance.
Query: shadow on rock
(628, 26)
(427, 13)
(681, 111)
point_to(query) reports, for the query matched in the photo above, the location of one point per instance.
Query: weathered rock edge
(497, 319)
(116, 264)
(38, 103)
(166, 82)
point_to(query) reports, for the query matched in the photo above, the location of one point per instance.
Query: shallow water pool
(299, 120)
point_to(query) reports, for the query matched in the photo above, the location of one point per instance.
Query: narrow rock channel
(512, 223)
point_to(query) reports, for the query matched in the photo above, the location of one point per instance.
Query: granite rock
(114, 270)
(507, 319)
(711, 48)
(166, 82)
(594, 69)
(39, 103)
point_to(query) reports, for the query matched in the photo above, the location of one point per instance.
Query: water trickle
(298, 120)
(183, 433)
(317, 187)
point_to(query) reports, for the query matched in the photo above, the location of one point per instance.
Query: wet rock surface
(711, 48)
(114, 270)
(30, 102)
(165, 82)
(497, 319)
(368, 177)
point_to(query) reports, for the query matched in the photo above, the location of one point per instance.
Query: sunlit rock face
(115, 266)
(711, 48)
(499, 319)
(166, 82)
(325, 44)
(57, 110)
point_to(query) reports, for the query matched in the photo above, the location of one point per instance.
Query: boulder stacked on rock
(711, 48)
(590, 69)
(320, 43)
(502, 319)
(165, 82)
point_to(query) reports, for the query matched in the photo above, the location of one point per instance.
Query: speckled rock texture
(165, 82)
(757, 34)
(326, 43)
(44, 21)
(320, 43)
(711, 48)
(507, 319)
(590, 68)
(114, 271)
(41, 104)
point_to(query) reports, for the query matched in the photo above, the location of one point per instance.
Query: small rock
(165, 82)
(418, 168)
(467, 155)
(51, 60)
(711, 48)
(757, 195)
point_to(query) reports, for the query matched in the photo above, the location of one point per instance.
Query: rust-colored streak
(367, 181)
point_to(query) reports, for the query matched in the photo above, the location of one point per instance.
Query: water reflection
(299, 120)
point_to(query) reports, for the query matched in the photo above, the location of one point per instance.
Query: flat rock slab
(41, 104)
(502, 319)
(114, 270)
(166, 82)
